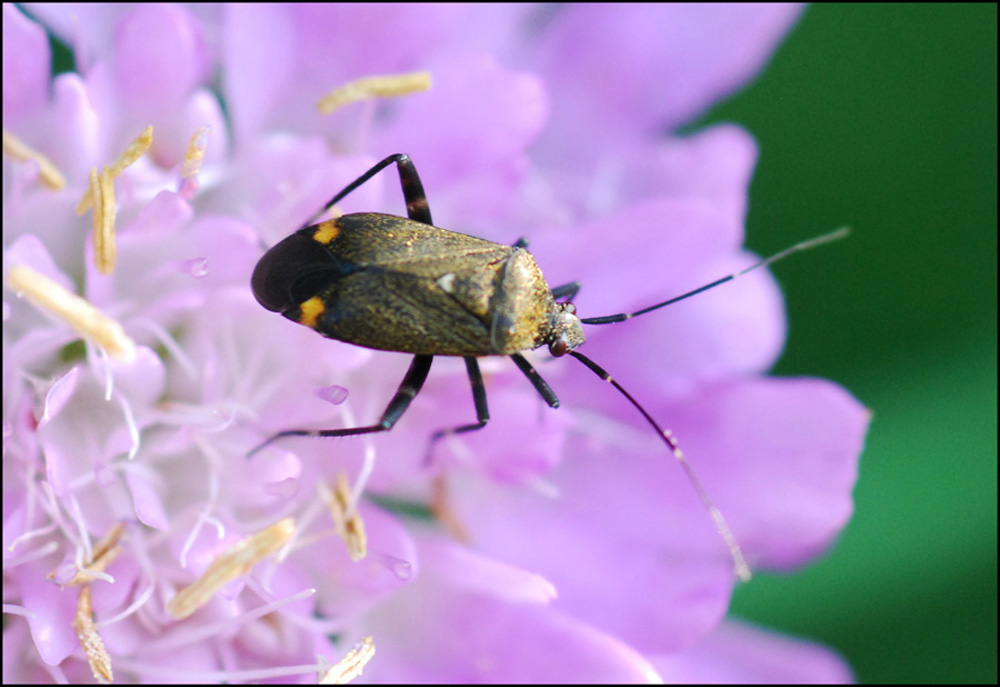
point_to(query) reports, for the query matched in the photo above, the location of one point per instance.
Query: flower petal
(26, 68)
(448, 633)
(779, 457)
(737, 653)
(670, 61)
(160, 56)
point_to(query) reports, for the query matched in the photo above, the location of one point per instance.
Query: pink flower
(551, 546)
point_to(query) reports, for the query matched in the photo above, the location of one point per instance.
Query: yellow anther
(17, 149)
(230, 565)
(102, 188)
(350, 526)
(133, 152)
(195, 152)
(86, 632)
(349, 667)
(374, 87)
(75, 311)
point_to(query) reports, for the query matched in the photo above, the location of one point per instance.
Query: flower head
(140, 541)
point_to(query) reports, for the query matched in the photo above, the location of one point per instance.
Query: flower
(140, 542)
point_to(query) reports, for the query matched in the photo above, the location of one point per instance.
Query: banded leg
(413, 190)
(407, 391)
(478, 398)
(544, 389)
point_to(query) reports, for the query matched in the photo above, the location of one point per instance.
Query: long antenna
(740, 566)
(798, 247)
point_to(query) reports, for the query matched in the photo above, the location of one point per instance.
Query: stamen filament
(104, 552)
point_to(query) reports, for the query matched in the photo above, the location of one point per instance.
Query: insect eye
(558, 347)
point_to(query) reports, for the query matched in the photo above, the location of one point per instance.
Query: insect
(398, 284)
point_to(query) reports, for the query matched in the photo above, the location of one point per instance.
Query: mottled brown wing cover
(411, 287)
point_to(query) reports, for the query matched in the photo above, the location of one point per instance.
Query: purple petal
(390, 566)
(26, 68)
(110, 598)
(733, 330)
(473, 572)
(148, 505)
(258, 60)
(644, 252)
(160, 57)
(31, 252)
(657, 65)
(468, 137)
(623, 539)
(443, 632)
(350, 41)
(779, 457)
(52, 611)
(81, 138)
(87, 27)
(143, 380)
(714, 164)
(516, 408)
(737, 653)
(58, 395)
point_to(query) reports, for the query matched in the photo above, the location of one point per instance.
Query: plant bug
(397, 284)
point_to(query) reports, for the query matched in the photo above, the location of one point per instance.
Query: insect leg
(567, 291)
(536, 380)
(478, 398)
(407, 391)
(413, 189)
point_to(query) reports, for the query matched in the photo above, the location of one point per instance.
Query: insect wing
(405, 286)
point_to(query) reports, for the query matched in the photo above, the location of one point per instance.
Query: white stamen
(103, 553)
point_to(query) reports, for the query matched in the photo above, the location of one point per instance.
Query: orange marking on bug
(326, 232)
(311, 311)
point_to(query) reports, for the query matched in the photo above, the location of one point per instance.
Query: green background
(884, 117)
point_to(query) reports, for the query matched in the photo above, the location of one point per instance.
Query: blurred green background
(884, 117)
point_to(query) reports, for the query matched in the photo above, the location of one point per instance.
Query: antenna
(740, 566)
(798, 247)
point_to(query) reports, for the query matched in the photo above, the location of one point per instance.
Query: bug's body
(396, 284)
